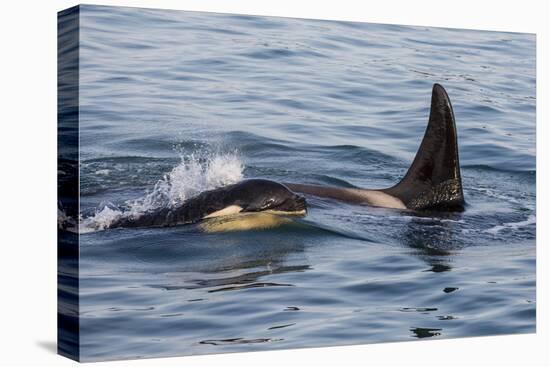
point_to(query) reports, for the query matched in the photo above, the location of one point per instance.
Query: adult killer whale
(247, 196)
(433, 181)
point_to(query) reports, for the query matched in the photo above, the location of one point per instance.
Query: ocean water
(173, 103)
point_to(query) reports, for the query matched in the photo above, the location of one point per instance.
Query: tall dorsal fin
(433, 180)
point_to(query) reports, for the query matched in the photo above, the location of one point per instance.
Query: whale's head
(258, 195)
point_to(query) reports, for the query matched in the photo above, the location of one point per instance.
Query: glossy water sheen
(323, 102)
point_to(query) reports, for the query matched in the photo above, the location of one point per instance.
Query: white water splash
(514, 225)
(64, 221)
(193, 175)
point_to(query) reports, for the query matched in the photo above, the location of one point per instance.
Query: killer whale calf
(432, 182)
(247, 196)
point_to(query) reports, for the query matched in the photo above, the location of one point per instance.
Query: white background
(28, 182)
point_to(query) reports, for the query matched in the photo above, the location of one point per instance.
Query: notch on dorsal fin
(433, 180)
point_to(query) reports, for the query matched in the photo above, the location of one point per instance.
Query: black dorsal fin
(433, 180)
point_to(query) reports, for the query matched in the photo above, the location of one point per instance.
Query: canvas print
(235, 183)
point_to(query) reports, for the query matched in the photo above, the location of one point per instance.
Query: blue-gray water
(173, 103)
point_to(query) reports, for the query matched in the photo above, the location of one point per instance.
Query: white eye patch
(232, 209)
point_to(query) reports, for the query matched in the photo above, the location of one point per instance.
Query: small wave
(237, 341)
(103, 172)
(513, 225)
(523, 170)
(194, 174)
(327, 229)
(504, 197)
